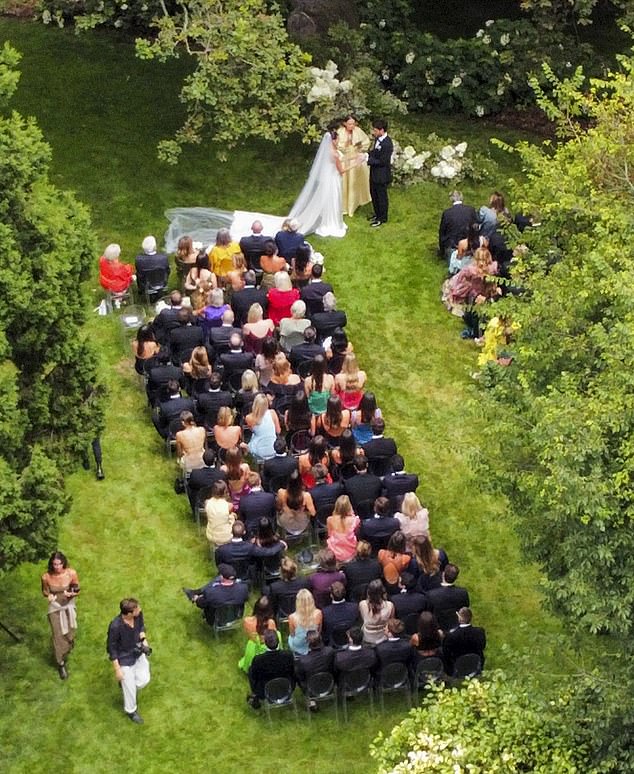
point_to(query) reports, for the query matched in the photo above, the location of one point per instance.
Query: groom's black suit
(380, 161)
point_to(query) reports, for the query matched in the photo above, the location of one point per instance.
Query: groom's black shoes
(376, 223)
(372, 217)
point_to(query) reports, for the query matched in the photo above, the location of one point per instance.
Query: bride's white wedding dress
(318, 209)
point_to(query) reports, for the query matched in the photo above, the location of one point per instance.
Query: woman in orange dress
(60, 586)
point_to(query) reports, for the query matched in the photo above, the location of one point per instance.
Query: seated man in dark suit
(307, 351)
(211, 400)
(363, 488)
(398, 482)
(185, 337)
(324, 494)
(170, 409)
(256, 504)
(220, 337)
(236, 360)
(330, 319)
(252, 246)
(360, 571)
(237, 551)
(273, 663)
(356, 655)
(202, 479)
(379, 450)
(455, 223)
(464, 639)
(167, 318)
(378, 529)
(222, 591)
(313, 293)
(320, 658)
(277, 471)
(396, 649)
(148, 261)
(158, 379)
(445, 600)
(338, 616)
(408, 601)
(283, 592)
(243, 300)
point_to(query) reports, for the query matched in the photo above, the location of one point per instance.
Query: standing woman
(60, 585)
(352, 141)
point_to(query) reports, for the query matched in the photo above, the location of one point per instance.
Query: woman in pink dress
(342, 529)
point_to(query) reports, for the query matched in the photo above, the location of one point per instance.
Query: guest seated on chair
(363, 489)
(313, 293)
(307, 350)
(167, 318)
(398, 482)
(114, 275)
(445, 600)
(306, 618)
(256, 504)
(356, 655)
(339, 615)
(148, 261)
(320, 658)
(170, 409)
(464, 638)
(198, 371)
(301, 266)
(222, 591)
(211, 315)
(428, 639)
(361, 570)
(278, 469)
(219, 338)
(281, 297)
(265, 427)
(226, 434)
(375, 611)
(237, 550)
(237, 473)
(342, 528)
(256, 329)
(363, 416)
(413, 518)
(289, 238)
(407, 601)
(271, 264)
(326, 574)
(295, 506)
(394, 560)
(236, 360)
(428, 563)
(285, 589)
(191, 442)
(220, 516)
(210, 400)
(349, 382)
(395, 648)
(379, 450)
(202, 479)
(184, 337)
(319, 386)
(146, 349)
(292, 328)
(200, 273)
(298, 416)
(274, 662)
(252, 246)
(330, 319)
(221, 254)
(255, 627)
(243, 300)
(335, 420)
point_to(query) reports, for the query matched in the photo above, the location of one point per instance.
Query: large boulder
(310, 18)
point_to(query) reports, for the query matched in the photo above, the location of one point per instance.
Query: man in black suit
(278, 469)
(273, 663)
(395, 649)
(445, 600)
(212, 399)
(326, 322)
(242, 300)
(158, 379)
(356, 655)
(313, 293)
(283, 592)
(324, 494)
(256, 504)
(237, 551)
(307, 350)
(380, 162)
(360, 571)
(252, 246)
(363, 488)
(338, 616)
(464, 639)
(167, 318)
(398, 482)
(170, 409)
(455, 223)
(201, 479)
(378, 529)
(379, 450)
(220, 336)
(185, 337)
(222, 591)
(408, 601)
(236, 360)
(320, 658)
(149, 260)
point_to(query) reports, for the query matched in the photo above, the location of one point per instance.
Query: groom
(380, 162)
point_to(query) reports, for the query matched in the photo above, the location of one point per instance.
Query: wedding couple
(319, 208)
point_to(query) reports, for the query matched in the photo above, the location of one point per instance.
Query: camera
(142, 648)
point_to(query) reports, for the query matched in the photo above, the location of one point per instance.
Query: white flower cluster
(326, 85)
(445, 164)
(409, 57)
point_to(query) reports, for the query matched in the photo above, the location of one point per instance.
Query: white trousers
(135, 677)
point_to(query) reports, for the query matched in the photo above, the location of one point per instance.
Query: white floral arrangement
(441, 161)
(324, 85)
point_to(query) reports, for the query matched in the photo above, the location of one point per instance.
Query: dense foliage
(50, 406)
(493, 725)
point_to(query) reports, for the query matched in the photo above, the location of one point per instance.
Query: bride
(318, 208)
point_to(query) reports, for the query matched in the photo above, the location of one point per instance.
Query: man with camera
(128, 650)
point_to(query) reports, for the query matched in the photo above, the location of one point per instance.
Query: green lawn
(103, 112)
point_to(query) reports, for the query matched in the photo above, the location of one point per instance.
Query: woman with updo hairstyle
(283, 385)
(234, 281)
(60, 586)
(375, 611)
(256, 329)
(339, 348)
(226, 434)
(295, 506)
(281, 297)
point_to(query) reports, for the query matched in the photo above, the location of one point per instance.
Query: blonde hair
(411, 505)
(350, 369)
(283, 280)
(239, 263)
(305, 608)
(343, 508)
(249, 380)
(225, 417)
(281, 366)
(482, 258)
(259, 409)
(255, 314)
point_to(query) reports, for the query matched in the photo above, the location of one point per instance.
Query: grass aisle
(103, 112)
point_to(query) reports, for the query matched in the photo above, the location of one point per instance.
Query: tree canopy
(49, 397)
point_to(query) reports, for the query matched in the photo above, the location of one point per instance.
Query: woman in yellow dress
(352, 141)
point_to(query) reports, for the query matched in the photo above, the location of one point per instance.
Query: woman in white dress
(319, 207)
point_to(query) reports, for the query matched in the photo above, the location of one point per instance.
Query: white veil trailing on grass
(318, 209)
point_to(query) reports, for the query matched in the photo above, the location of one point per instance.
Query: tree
(488, 726)
(249, 78)
(50, 407)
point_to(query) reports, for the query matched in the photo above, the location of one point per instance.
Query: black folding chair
(393, 678)
(320, 687)
(226, 618)
(468, 665)
(278, 693)
(154, 282)
(354, 684)
(428, 670)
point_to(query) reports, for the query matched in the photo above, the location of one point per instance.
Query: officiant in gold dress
(352, 141)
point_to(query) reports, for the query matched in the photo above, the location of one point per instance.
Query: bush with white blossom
(437, 159)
